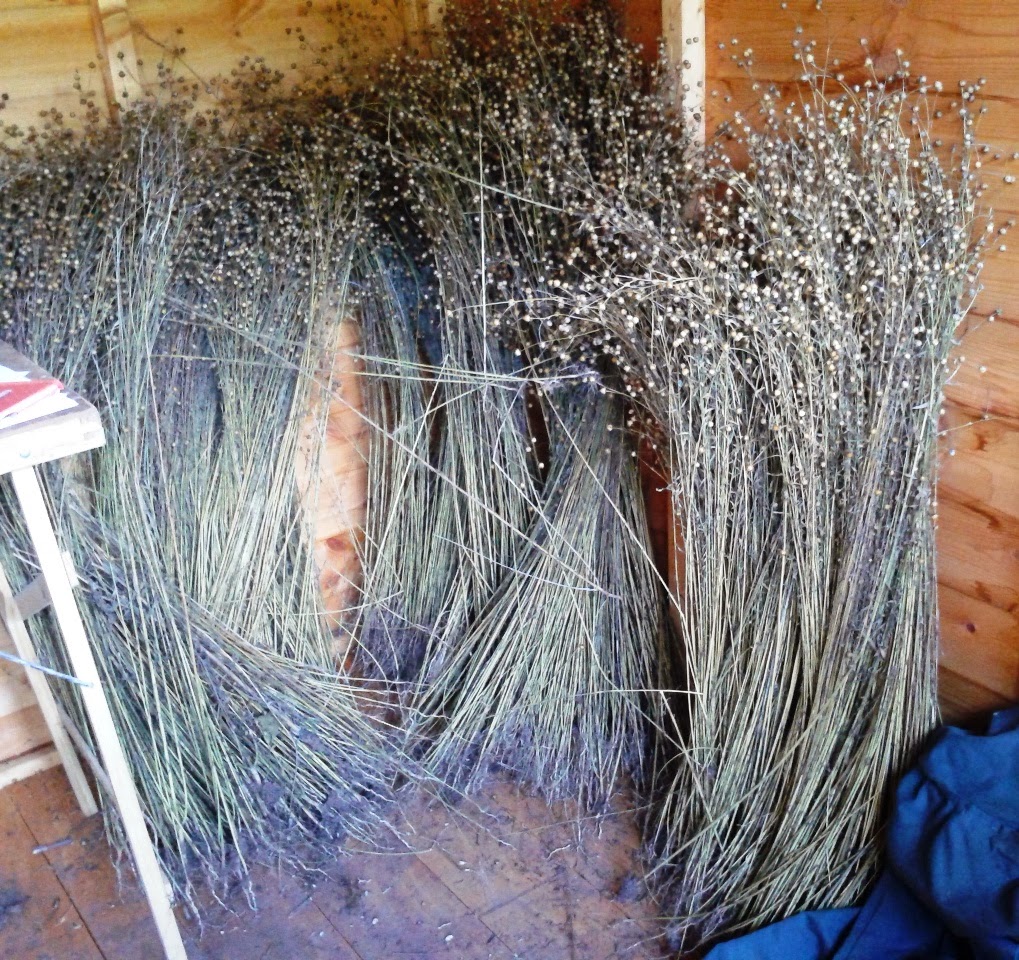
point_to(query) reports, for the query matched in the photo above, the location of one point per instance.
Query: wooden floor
(512, 882)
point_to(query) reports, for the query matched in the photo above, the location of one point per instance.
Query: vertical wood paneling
(978, 536)
(47, 49)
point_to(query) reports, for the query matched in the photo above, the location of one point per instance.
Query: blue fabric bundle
(951, 887)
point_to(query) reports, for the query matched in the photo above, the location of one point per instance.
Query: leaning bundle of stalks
(489, 490)
(406, 569)
(478, 141)
(448, 410)
(790, 348)
(553, 679)
(199, 330)
(430, 132)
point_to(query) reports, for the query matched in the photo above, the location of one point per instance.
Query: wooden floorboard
(505, 878)
(37, 916)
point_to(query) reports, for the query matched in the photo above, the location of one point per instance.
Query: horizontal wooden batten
(27, 765)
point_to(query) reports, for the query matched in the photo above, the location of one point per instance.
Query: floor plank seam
(471, 911)
(329, 920)
(56, 876)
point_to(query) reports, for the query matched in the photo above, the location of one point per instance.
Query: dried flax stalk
(790, 348)
(476, 148)
(198, 330)
(553, 679)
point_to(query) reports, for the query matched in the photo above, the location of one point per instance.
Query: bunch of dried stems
(550, 283)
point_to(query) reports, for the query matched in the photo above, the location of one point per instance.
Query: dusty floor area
(510, 882)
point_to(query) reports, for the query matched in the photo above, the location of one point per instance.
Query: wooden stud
(333, 479)
(115, 42)
(40, 529)
(683, 30)
(435, 11)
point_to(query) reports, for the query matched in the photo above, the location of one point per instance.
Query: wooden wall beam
(422, 21)
(683, 32)
(118, 57)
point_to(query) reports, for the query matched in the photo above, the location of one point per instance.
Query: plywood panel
(43, 45)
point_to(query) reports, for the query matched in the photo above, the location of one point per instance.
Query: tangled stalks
(789, 348)
(549, 282)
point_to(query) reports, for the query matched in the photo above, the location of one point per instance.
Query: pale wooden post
(683, 29)
(115, 42)
(51, 563)
(422, 20)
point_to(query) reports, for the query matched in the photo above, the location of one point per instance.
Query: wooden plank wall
(978, 535)
(54, 52)
(48, 60)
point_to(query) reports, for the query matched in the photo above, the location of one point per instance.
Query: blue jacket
(950, 890)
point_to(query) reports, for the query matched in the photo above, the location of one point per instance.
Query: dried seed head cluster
(788, 336)
(525, 120)
(188, 269)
